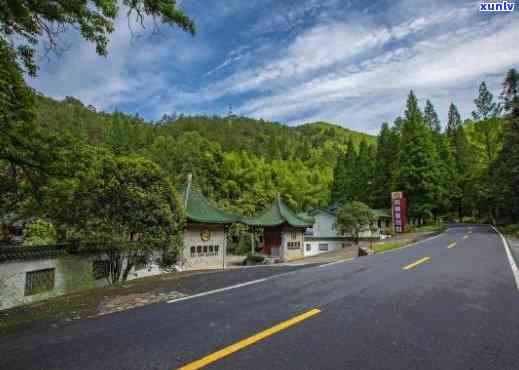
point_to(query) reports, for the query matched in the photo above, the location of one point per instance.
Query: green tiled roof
(199, 209)
(278, 214)
(306, 216)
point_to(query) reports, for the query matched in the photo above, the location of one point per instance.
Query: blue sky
(294, 61)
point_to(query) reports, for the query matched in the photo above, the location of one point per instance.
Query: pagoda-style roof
(199, 209)
(278, 214)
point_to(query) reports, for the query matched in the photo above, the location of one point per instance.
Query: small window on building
(199, 249)
(308, 247)
(216, 249)
(293, 235)
(39, 281)
(100, 269)
(211, 248)
(334, 226)
(323, 247)
(205, 250)
(293, 245)
(193, 251)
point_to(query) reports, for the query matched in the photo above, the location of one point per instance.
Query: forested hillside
(465, 169)
(239, 162)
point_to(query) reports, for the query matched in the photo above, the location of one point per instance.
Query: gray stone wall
(71, 274)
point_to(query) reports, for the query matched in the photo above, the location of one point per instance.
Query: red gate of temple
(271, 239)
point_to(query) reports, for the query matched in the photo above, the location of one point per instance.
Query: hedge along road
(457, 309)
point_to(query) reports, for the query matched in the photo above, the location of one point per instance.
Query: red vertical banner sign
(398, 205)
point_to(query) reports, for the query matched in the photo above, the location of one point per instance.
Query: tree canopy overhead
(31, 21)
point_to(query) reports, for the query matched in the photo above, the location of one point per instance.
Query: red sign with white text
(398, 204)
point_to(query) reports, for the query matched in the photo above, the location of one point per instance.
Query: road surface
(450, 302)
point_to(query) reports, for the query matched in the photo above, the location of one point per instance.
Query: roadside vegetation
(411, 236)
(511, 230)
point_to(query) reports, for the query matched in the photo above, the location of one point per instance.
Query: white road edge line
(218, 290)
(513, 266)
(335, 262)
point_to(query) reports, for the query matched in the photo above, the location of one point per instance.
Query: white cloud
(348, 67)
(132, 73)
(444, 62)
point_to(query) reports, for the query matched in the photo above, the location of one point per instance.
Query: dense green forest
(241, 163)
(446, 169)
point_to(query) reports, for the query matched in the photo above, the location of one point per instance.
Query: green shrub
(254, 259)
(511, 229)
(39, 232)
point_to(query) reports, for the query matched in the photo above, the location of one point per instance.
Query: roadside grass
(511, 230)
(385, 246)
(85, 303)
(428, 228)
(380, 247)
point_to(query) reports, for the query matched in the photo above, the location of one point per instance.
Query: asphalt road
(457, 309)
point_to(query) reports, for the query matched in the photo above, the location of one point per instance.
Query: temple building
(283, 231)
(205, 235)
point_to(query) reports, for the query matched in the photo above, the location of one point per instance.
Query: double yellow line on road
(248, 341)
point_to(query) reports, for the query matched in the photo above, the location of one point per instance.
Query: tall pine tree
(487, 136)
(485, 105)
(363, 174)
(344, 187)
(507, 163)
(462, 156)
(445, 163)
(431, 117)
(418, 175)
(386, 159)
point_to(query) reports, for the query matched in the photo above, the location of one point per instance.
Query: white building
(323, 236)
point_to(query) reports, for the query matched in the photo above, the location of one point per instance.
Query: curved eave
(211, 221)
(259, 224)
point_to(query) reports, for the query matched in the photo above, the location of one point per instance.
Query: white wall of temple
(204, 247)
(325, 225)
(316, 246)
(292, 240)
